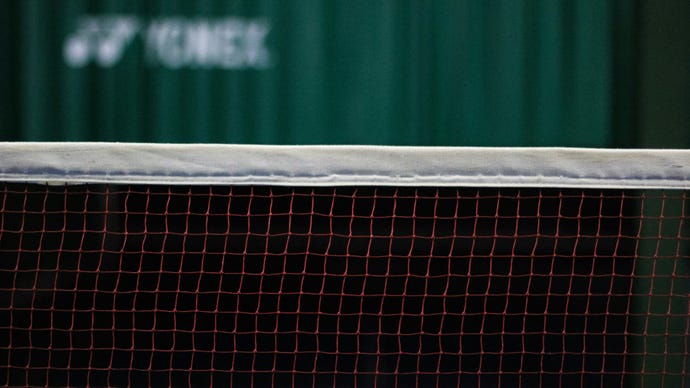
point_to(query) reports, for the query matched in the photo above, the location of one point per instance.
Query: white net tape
(215, 164)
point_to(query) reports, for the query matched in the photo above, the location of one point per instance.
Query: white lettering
(170, 44)
(256, 51)
(198, 49)
(100, 40)
(228, 43)
(225, 43)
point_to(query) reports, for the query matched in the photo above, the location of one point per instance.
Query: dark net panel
(251, 286)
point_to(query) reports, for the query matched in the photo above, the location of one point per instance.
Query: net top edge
(341, 165)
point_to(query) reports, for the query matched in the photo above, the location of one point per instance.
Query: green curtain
(304, 72)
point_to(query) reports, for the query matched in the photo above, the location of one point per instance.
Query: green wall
(296, 72)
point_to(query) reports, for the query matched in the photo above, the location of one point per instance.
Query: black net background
(251, 286)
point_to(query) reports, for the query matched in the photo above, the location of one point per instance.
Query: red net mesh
(113, 285)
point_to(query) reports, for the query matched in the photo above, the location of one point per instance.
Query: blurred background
(586, 73)
(599, 73)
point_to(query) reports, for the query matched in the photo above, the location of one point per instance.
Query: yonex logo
(170, 42)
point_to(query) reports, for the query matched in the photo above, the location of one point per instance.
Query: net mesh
(114, 285)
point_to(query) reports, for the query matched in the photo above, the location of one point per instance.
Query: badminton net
(140, 264)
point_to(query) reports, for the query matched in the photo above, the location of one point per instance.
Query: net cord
(215, 164)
